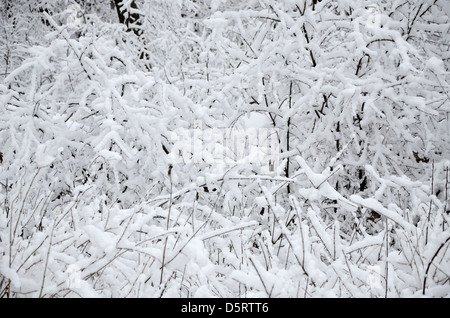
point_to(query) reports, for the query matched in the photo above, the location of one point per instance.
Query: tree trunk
(130, 19)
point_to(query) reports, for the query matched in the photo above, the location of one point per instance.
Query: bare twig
(167, 224)
(294, 204)
(46, 260)
(429, 210)
(23, 202)
(269, 294)
(412, 22)
(386, 271)
(444, 211)
(429, 264)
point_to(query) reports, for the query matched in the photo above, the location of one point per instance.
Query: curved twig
(429, 264)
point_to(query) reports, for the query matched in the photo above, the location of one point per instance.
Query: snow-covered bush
(94, 204)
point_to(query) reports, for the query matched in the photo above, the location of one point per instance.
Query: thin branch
(167, 224)
(46, 260)
(429, 264)
(261, 279)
